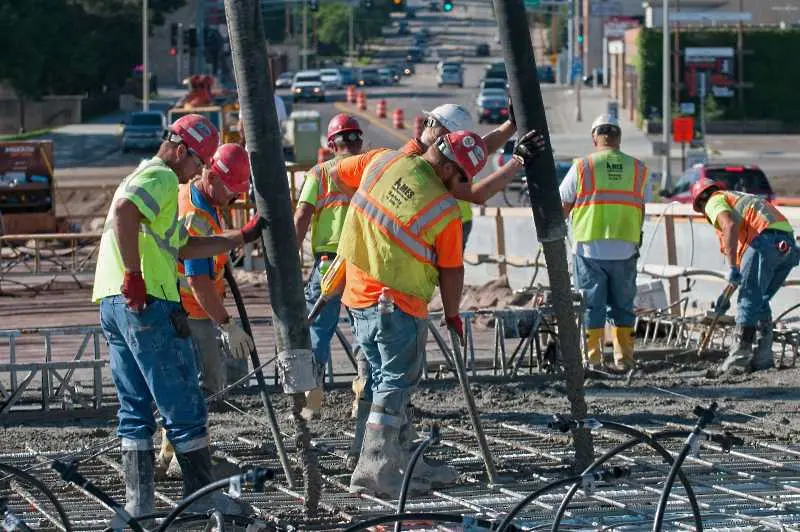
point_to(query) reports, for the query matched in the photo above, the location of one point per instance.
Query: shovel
(726, 297)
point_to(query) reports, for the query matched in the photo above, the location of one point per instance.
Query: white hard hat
(605, 120)
(453, 117)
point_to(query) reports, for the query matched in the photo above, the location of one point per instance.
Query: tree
(332, 26)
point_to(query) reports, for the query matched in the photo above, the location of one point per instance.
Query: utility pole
(145, 56)
(179, 56)
(580, 22)
(351, 37)
(666, 100)
(676, 57)
(201, 36)
(570, 46)
(740, 59)
(304, 52)
(551, 229)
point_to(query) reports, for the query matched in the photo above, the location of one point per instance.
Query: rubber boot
(762, 356)
(196, 469)
(594, 348)
(137, 467)
(623, 338)
(358, 440)
(435, 472)
(741, 353)
(379, 469)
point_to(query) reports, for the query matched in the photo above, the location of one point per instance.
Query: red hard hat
(466, 149)
(198, 133)
(231, 163)
(342, 123)
(704, 185)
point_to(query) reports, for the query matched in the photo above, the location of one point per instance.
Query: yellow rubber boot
(594, 347)
(624, 338)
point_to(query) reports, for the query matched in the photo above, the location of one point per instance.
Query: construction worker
(604, 194)
(323, 207)
(759, 246)
(136, 284)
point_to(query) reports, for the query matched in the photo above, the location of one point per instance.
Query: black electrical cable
(422, 516)
(433, 438)
(637, 437)
(192, 518)
(219, 521)
(38, 484)
(705, 416)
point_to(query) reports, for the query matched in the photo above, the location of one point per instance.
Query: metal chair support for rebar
(433, 438)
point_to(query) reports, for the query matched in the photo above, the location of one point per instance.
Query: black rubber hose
(38, 484)
(420, 516)
(401, 503)
(706, 416)
(533, 496)
(192, 518)
(637, 437)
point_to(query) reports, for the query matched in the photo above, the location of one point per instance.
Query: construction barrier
(419, 125)
(397, 119)
(380, 109)
(351, 94)
(361, 101)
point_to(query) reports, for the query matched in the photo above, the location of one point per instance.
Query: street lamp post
(666, 101)
(145, 58)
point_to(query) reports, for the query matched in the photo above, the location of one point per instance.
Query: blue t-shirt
(195, 267)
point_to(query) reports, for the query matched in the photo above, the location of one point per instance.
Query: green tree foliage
(72, 46)
(333, 24)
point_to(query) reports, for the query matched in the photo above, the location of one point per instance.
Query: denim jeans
(609, 289)
(324, 326)
(150, 364)
(394, 346)
(764, 269)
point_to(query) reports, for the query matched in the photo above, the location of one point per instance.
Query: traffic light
(313, 5)
(173, 34)
(447, 6)
(190, 38)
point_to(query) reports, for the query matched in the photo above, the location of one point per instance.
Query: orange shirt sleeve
(449, 246)
(413, 147)
(348, 172)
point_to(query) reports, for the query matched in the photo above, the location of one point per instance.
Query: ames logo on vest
(400, 193)
(615, 170)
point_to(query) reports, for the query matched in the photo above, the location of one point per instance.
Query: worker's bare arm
(199, 247)
(730, 236)
(451, 285)
(484, 189)
(495, 139)
(567, 209)
(203, 289)
(302, 219)
(126, 229)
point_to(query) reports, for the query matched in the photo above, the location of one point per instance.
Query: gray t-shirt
(596, 249)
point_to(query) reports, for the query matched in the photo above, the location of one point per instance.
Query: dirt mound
(494, 294)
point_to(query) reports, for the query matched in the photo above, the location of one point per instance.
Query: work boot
(358, 440)
(741, 353)
(137, 468)
(594, 348)
(379, 469)
(623, 338)
(196, 468)
(437, 473)
(762, 356)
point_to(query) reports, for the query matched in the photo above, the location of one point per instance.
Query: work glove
(511, 116)
(252, 229)
(529, 147)
(723, 304)
(134, 290)
(237, 341)
(455, 324)
(734, 276)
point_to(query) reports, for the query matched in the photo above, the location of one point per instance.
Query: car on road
(496, 71)
(516, 192)
(387, 76)
(402, 28)
(308, 85)
(284, 80)
(331, 78)
(450, 75)
(492, 106)
(482, 50)
(407, 68)
(348, 76)
(369, 77)
(415, 55)
(546, 74)
(143, 130)
(494, 83)
(449, 63)
(741, 178)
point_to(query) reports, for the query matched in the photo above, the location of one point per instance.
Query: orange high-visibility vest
(198, 222)
(752, 214)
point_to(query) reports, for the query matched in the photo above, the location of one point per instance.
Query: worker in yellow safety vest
(604, 194)
(323, 207)
(759, 245)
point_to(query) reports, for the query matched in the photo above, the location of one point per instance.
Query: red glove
(455, 324)
(134, 290)
(252, 229)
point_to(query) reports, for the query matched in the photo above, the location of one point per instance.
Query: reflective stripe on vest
(609, 203)
(752, 214)
(394, 219)
(329, 196)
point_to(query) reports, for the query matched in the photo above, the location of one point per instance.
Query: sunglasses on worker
(176, 139)
(350, 136)
(432, 122)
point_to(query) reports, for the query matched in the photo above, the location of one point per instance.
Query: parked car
(369, 77)
(492, 106)
(741, 178)
(387, 76)
(308, 85)
(546, 74)
(408, 68)
(284, 80)
(331, 78)
(449, 63)
(415, 55)
(348, 76)
(143, 130)
(450, 75)
(482, 50)
(494, 83)
(402, 28)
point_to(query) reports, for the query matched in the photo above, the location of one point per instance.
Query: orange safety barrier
(397, 119)
(380, 109)
(361, 101)
(351, 94)
(419, 125)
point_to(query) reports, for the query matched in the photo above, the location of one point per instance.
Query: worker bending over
(604, 193)
(759, 246)
(323, 207)
(136, 284)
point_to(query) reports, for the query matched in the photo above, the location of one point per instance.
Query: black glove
(529, 147)
(511, 117)
(723, 304)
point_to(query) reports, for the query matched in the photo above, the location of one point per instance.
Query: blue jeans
(764, 269)
(394, 345)
(609, 289)
(150, 364)
(324, 326)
